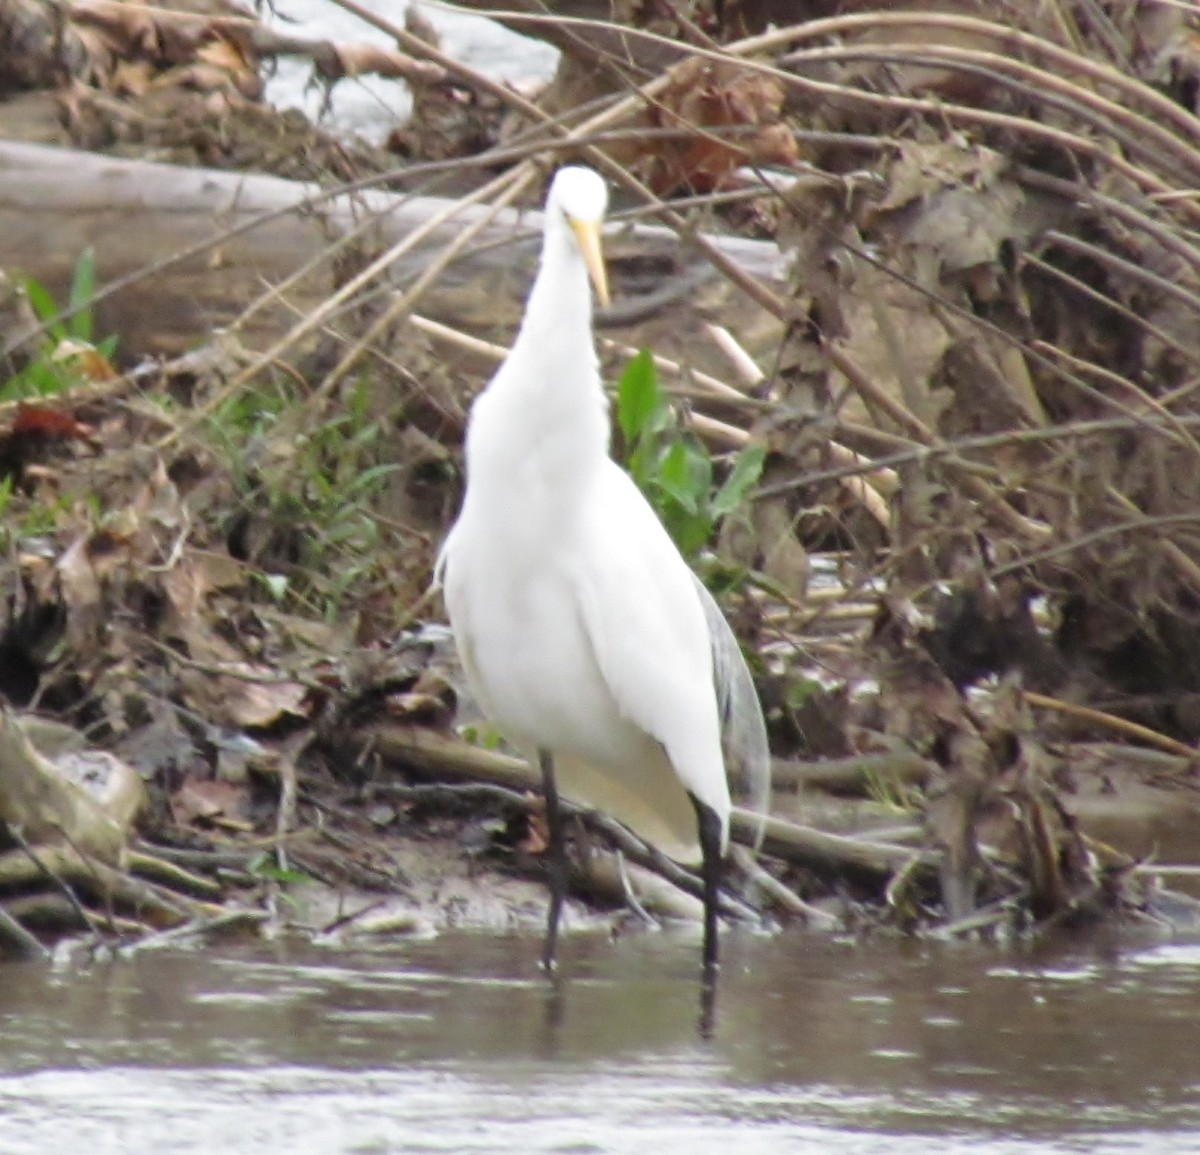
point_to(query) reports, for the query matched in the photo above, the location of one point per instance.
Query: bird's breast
(529, 659)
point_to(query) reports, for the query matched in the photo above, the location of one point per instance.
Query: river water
(373, 107)
(459, 1044)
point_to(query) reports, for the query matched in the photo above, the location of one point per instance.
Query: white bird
(584, 636)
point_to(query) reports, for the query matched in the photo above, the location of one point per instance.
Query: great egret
(584, 636)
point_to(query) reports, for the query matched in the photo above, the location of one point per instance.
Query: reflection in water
(461, 1044)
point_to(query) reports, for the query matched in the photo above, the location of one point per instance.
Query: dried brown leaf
(132, 78)
(131, 30)
(415, 706)
(736, 115)
(205, 800)
(537, 835)
(924, 167)
(255, 704)
(965, 227)
(219, 683)
(225, 54)
(85, 359)
(49, 423)
(79, 587)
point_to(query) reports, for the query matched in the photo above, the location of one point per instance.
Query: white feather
(581, 629)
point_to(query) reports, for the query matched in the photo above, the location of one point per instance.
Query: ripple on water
(460, 1045)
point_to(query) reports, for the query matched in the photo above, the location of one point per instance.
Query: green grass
(312, 480)
(54, 367)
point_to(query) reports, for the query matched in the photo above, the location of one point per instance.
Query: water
(373, 107)
(458, 1044)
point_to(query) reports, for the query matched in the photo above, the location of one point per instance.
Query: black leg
(707, 1022)
(558, 857)
(710, 873)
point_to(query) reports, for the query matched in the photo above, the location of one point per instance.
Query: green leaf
(643, 464)
(685, 473)
(370, 479)
(800, 692)
(45, 308)
(83, 289)
(700, 469)
(639, 399)
(360, 401)
(675, 477)
(744, 475)
(40, 378)
(672, 467)
(481, 735)
(265, 867)
(723, 577)
(691, 532)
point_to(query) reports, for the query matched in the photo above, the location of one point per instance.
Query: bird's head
(581, 196)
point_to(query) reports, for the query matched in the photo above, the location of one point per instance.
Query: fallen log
(441, 757)
(87, 803)
(192, 247)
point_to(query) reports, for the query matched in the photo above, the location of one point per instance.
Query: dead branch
(438, 755)
(226, 233)
(852, 775)
(16, 941)
(1112, 722)
(46, 807)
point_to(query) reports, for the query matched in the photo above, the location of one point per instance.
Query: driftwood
(90, 807)
(16, 941)
(853, 775)
(442, 757)
(156, 869)
(55, 202)
(617, 868)
(97, 883)
(56, 915)
(66, 814)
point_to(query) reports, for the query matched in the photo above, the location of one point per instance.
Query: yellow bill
(587, 233)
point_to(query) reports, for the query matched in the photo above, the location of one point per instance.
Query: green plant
(672, 467)
(268, 868)
(61, 361)
(483, 735)
(890, 793)
(311, 482)
(22, 520)
(265, 866)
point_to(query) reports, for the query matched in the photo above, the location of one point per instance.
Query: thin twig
(1112, 722)
(777, 894)
(84, 915)
(21, 940)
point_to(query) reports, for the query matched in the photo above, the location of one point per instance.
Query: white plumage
(583, 633)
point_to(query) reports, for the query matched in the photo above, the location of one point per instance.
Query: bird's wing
(648, 630)
(743, 728)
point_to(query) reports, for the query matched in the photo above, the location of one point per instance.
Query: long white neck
(556, 332)
(560, 302)
(542, 425)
